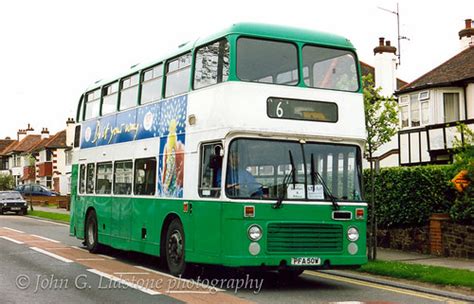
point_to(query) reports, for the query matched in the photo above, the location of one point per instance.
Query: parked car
(35, 189)
(12, 201)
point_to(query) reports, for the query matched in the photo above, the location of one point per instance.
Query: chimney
(70, 129)
(20, 134)
(29, 130)
(466, 35)
(44, 133)
(385, 67)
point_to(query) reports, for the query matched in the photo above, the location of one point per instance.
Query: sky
(51, 51)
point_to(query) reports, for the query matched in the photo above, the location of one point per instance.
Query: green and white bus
(240, 149)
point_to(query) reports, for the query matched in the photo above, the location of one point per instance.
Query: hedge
(407, 196)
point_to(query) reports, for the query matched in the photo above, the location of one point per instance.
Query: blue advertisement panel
(148, 121)
(165, 119)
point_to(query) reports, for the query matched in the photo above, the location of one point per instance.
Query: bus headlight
(254, 232)
(353, 234)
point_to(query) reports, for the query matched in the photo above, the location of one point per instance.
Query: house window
(49, 155)
(415, 110)
(404, 116)
(425, 112)
(451, 107)
(424, 95)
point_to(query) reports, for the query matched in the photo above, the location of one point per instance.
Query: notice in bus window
(285, 108)
(316, 192)
(295, 191)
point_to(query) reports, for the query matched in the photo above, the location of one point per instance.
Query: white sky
(50, 51)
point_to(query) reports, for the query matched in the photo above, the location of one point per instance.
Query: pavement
(51, 209)
(424, 259)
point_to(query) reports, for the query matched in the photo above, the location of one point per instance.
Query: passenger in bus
(239, 181)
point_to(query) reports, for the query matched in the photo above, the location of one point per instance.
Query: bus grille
(304, 238)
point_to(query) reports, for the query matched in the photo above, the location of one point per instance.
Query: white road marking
(90, 259)
(106, 256)
(81, 249)
(11, 229)
(48, 222)
(184, 280)
(57, 248)
(11, 240)
(45, 238)
(131, 273)
(124, 282)
(189, 291)
(51, 255)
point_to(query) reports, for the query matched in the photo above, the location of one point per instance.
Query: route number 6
(279, 110)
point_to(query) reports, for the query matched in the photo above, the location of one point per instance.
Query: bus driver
(239, 181)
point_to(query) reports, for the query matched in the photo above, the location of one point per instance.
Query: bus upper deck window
(267, 61)
(109, 104)
(129, 92)
(177, 75)
(330, 68)
(212, 64)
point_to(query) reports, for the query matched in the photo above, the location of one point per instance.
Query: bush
(7, 182)
(407, 196)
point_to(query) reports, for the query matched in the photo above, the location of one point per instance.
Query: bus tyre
(91, 235)
(174, 248)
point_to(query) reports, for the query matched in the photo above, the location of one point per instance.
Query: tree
(6, 182)
(381, 122)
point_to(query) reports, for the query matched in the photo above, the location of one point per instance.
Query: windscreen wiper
(286, 182)
(316, 175)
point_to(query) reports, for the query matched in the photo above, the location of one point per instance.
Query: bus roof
(250, 29)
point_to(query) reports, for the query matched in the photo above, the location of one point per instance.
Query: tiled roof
(58, 140)
(5, 144)
(367, 69)
(40, 145)
(25, 144)
(456, 70)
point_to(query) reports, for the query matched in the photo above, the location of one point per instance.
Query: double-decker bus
(240, 149)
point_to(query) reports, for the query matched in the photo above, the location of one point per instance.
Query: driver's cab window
(211, 170)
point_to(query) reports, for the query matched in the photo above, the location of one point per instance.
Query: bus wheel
(91, 239)
(174, 248)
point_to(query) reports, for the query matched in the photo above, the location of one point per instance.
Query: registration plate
(15, 208)
(306, 261)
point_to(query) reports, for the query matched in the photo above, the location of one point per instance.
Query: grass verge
(50, 215)
(422, 273)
